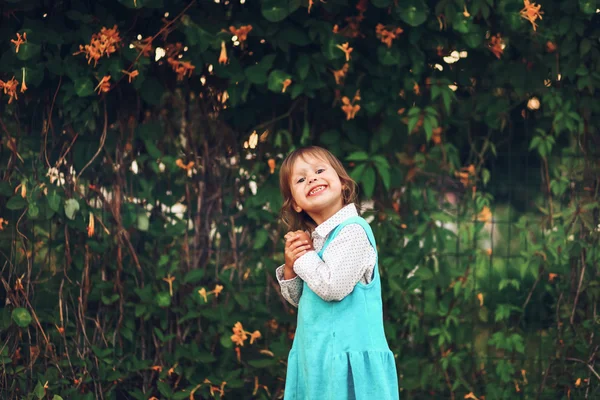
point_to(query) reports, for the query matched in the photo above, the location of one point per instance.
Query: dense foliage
(140, 144)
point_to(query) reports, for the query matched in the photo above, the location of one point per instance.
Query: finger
(301, 250)
(299, 254)
(299, 243)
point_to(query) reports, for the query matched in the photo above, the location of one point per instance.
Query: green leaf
(71, 208)
(154, 152)
(56, 397)
(413, 12)
(143, 222)
(16, 203)
(368, 181)
(263, 363)
(22, 317)
(28, 50)
(163, 299)
(357, 172)
(278, 10)
(358, 156)
(33, 211)
(384, 172)
(303, 66)
(39, 390)
(276, 79)
(164, 389)
(84, 87)
(193, 276)
(588, 6)
(390, 56)
(262, 236)
(53, 200)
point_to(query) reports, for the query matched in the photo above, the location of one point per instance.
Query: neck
(323, 215)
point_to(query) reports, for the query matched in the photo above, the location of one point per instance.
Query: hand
(296, 244)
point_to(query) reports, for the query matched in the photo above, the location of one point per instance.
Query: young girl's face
(316, 188)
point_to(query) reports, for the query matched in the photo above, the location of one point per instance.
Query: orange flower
(271, 163)
(340, 74)
(23, 84)
(465, 175)
(471, 396)
(144, 46)
(19, 41)
(223, 56)
(202, 292)
(130, 75)
(259, 386)
(241, 32)
(104, 85)
(497, 45)
(218, 290)
(103, 43)
(531, 12)
(3, 223)
(19, 283)
(552, 277)
(254, 335)
(436, 136)
(286, 83)
(550, 47)
(238, 353)
(350, 108)
(310, 4)
(239, 335)
(90, 228)
(386, 35)
(362, 6)
(181, 165)
(156, 368)
(169, 279)
(10, 88)
(181, 68)
(346, 49)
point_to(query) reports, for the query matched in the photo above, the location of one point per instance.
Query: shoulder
(353, 232)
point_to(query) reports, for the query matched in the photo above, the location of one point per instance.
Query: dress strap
(352, 220)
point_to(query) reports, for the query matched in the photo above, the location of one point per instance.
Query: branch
(102, 140)
(583, 362)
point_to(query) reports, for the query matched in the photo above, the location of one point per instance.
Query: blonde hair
(302, 221)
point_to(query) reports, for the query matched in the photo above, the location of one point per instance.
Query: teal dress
(340, 351)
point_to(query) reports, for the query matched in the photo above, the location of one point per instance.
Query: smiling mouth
(317, 190)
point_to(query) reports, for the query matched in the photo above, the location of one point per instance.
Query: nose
(312, 179)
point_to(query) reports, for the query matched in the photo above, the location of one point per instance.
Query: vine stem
(578, 289)
(592, 370)
(102, 140)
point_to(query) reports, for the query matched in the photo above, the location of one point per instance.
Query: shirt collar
(336, 219)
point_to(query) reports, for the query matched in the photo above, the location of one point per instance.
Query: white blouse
(348, 259)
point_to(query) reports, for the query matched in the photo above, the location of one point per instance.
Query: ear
(296, 207)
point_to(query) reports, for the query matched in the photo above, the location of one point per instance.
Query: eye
(320, 170)
(300, 180)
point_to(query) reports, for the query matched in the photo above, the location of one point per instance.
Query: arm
(296, 244)
(291, 289)
(345, 261)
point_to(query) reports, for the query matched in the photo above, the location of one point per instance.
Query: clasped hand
(296, 244)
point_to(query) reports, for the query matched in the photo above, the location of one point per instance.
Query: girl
(340, 351)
